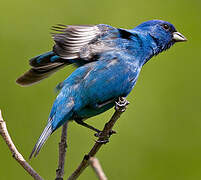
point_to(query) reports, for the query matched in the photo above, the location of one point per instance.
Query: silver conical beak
(178, 37)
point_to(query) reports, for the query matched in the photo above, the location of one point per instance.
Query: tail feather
(42, 67)
(35, 75)
(62, 111)
(42, 139)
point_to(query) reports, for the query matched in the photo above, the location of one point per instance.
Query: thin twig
(103, 138)
(62, 153)
(97, 168)
(18, 157)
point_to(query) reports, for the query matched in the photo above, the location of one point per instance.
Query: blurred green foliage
(159, 137)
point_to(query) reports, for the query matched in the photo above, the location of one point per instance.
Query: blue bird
(109, 61)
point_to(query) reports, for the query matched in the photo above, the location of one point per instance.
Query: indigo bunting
(108, 61)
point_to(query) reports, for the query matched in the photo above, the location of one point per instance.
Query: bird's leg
(121, 103)
(81, 122)
(98, 132)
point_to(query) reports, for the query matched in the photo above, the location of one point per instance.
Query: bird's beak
(178, 37)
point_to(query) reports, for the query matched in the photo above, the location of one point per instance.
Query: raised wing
(82, 41)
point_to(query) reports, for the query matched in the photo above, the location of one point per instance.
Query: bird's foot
(112, 132)
(121, 104)
(102, 141)
(99, 134)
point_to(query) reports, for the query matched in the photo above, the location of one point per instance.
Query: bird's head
(163, 33)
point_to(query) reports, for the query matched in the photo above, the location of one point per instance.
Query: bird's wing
(82, 41)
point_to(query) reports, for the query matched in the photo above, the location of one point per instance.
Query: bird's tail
(42, 139)
(42, 67)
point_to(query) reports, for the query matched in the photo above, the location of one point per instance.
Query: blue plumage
(109, 61)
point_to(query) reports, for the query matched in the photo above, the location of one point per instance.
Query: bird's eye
(166, 27)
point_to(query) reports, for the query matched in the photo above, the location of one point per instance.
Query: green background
(159, 136)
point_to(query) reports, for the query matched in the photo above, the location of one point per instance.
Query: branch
(16, 155)
(62, 153)
(97, 168)
(103, 138)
